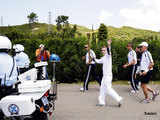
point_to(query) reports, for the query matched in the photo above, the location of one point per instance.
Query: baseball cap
(144, 44)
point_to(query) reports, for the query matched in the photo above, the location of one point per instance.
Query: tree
(73, 31)
(102, 32)
(62, 21)
(32, 17)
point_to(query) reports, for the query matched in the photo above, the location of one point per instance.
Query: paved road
(75, 105)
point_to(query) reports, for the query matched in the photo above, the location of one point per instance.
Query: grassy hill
(123, 33)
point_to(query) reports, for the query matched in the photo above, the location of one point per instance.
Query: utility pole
(1, 31)
(49, 23)
(1, 20)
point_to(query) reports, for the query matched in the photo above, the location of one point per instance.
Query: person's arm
(133, 62)
(37, 52)
(99, 61)
(109, 47)
(151, 61)
(48, 54)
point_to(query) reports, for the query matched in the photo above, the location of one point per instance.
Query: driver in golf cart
(8, 68)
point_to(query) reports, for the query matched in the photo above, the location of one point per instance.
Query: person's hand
(125, 66)
(109, 42)
(150, 67)
(83, 57)
(144, 73)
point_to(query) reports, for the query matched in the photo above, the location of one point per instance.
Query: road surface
(75, 105)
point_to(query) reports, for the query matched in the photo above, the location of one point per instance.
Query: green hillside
(123, 33)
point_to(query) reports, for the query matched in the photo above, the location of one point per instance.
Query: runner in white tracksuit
(106, 84)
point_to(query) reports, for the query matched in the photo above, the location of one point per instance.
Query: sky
(143, 14)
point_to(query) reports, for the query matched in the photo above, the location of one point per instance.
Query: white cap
(5, 43)
(144, 44)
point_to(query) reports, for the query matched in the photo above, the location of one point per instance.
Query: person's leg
(94, 74)
(136, 81)
(111, 91)
(102, 93)
(145, 90)
(131, 77)
(87, 76)
(150, 89)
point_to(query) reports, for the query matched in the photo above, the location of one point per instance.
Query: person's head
(138, 49)
(143, 46)
(18, 48)
(104, 50)
(41, 46)
(129, 46)
(86, 47)
(5, 44)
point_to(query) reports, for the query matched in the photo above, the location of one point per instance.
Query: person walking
(132, 61)
(106, 84)
(91, 69)
(137, 66)
(146, 67)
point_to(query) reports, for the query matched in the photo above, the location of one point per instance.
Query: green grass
(123, 33)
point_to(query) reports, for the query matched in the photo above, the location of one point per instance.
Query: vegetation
(32, 17)
(102, 33)
(68, 42)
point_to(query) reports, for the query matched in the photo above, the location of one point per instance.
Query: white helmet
(18, 48)
(5, 43)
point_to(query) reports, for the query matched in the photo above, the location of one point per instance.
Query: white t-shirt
(6, 65)
(132, 56)
(145, 61)
(92, 55)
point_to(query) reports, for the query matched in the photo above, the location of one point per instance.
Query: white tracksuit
(106, 84)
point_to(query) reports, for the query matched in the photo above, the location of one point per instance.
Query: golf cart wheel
(40, 116)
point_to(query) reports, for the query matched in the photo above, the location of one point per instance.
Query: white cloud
(146, 16)
(104, 16)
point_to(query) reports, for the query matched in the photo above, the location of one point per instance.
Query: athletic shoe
(100, 105)
(133, 91)
(137, 91)
(155, 95)
(145, 101)
(82, 89)
(120, 103)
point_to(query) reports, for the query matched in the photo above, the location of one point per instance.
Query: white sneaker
(133, 91)
(82, 89)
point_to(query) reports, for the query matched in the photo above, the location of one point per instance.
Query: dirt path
(75, 105)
